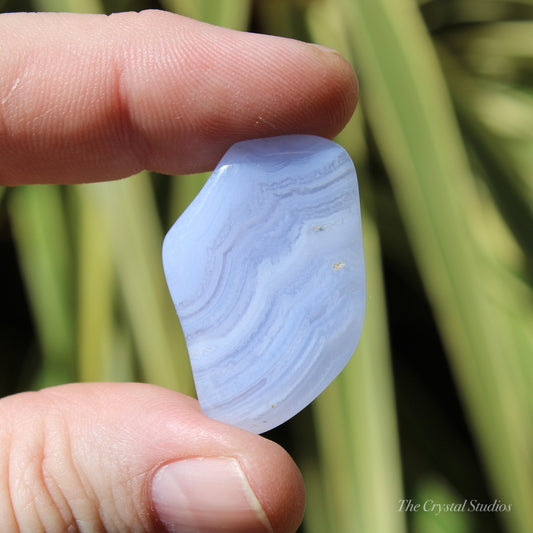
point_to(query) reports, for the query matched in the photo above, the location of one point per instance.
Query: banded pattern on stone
(266, 271)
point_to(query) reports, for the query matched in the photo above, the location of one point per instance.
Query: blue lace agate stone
(266, 271)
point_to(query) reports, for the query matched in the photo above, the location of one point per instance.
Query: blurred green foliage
(436, 405)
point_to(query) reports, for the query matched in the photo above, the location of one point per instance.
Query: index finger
(95, 97)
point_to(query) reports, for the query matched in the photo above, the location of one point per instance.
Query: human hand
(87, 98)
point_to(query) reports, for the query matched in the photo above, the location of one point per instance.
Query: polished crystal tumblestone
(266, 271)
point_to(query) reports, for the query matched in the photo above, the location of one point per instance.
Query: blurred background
(436, 405)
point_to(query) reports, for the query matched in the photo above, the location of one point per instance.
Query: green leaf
(104, 348)
(69, 6)
(414, 125)
(358, 409)
(441, 509)
(227, 13)
(136, 236)
(39, 224)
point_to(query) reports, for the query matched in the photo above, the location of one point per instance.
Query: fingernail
(325, 49)
(205, 495)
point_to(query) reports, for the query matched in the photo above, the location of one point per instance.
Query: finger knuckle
(40, 490)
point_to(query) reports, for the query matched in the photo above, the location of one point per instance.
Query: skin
(89, 98)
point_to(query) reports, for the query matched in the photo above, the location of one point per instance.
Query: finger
(131, 457)
(94, 97)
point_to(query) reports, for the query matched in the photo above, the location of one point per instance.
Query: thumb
(132, 457)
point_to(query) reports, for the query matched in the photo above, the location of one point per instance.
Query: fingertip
(211, 472)
(224, 464)
(344, 91)
(281, 491)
